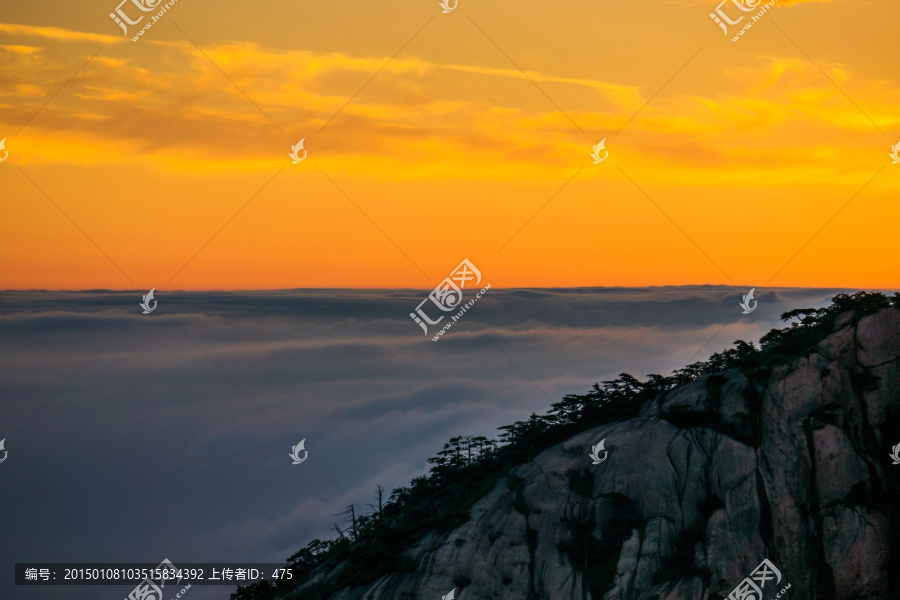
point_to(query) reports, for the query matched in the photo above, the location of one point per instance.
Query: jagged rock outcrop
(787, 463)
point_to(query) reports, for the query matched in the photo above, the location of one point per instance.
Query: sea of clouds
(135, 437)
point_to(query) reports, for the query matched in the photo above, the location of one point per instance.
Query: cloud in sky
(430, 115)
(472, 126)
(57, 34)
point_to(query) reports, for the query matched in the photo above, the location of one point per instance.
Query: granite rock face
(706, 482)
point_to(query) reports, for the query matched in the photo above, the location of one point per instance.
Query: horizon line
(390, 289)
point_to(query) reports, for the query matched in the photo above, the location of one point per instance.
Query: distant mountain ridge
(780, 453)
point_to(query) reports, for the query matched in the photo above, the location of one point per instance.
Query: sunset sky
(160, 164)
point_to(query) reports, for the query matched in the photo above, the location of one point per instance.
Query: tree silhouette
(467, 467)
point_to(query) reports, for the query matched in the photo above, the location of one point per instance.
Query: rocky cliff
(789, 463)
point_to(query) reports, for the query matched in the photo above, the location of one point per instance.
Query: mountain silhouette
(779, 453)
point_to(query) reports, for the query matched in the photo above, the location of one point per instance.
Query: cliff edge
(788, 462)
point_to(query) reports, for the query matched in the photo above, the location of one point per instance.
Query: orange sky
(727, 174)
